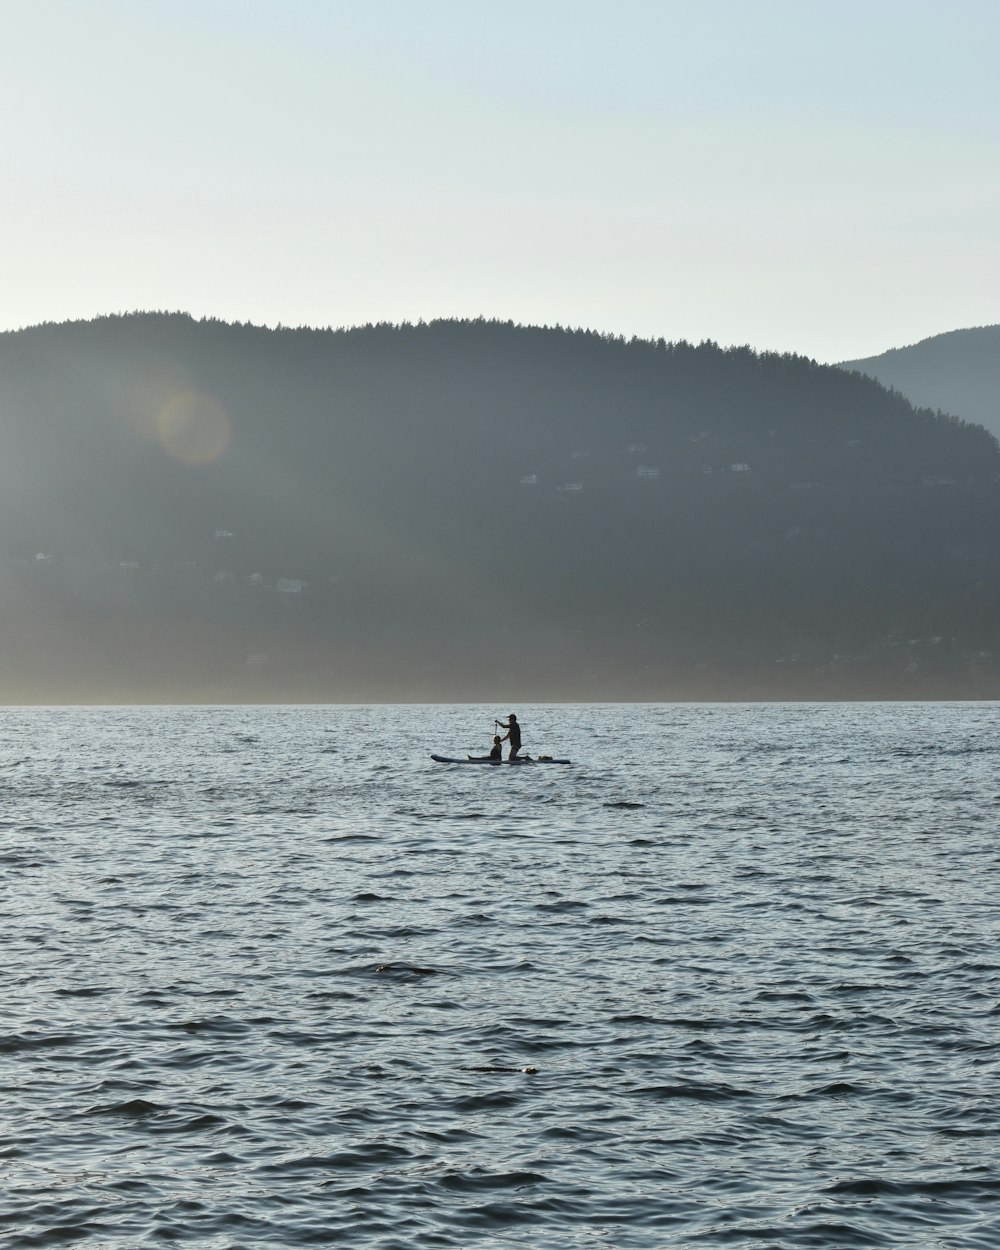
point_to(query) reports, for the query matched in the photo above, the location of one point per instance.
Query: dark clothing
(496, 753)
(513, 735)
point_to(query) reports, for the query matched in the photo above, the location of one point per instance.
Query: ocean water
(271, 977)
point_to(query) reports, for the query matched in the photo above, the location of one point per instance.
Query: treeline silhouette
(463, 508)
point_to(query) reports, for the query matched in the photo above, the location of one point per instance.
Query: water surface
(274, 978)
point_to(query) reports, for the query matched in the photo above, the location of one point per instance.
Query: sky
(798, 175)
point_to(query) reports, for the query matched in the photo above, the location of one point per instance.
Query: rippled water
(271, 977)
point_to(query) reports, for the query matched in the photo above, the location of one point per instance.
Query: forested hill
(194, 509)
(957, 372)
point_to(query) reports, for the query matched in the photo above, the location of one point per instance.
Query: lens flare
(194, 428)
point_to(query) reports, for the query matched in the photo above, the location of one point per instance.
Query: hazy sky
(820, 176)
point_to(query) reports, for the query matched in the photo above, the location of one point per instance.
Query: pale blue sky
(811, 176)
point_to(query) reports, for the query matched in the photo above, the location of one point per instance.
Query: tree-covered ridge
(957, 372)
(466, 502)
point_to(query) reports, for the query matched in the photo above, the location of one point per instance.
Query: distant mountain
(472, 509)
(958, 373)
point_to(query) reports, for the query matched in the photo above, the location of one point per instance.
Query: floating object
(485, 759)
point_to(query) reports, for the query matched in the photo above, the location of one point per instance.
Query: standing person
(513, 734)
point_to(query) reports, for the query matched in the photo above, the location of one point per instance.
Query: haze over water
(274, 978)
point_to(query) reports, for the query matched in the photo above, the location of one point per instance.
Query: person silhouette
(513, 735)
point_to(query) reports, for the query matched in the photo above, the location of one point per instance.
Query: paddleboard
(523, 759)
